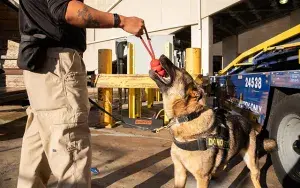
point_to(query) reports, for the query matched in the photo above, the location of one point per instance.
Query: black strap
(195, 145)
(188, 117)
(219, 141)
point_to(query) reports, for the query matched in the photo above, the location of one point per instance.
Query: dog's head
(181, 94)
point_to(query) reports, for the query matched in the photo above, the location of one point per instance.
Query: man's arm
(80, 15)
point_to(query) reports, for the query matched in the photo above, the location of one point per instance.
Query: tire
(284, 126)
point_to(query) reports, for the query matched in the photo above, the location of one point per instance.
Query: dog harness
(220, 140)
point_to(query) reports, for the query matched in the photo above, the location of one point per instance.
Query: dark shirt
(48, 17)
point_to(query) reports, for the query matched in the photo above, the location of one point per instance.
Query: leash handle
(151, 53)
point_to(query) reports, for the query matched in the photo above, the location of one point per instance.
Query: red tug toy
(155, 64)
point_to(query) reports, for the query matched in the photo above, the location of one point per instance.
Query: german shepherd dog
(183, 97)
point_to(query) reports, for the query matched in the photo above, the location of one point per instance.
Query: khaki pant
(57, 136)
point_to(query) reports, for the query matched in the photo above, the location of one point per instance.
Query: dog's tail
(269, 145)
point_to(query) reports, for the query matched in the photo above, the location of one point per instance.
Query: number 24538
(253, 82)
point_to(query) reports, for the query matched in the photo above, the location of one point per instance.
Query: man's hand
(132, 25)
(80, 15)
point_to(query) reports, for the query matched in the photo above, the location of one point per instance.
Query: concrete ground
(124, 157)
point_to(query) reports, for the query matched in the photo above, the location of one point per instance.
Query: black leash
(117, 119)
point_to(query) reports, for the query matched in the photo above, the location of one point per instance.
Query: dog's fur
(182, 96)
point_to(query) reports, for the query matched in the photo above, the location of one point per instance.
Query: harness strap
(195, 145)
(202, 144)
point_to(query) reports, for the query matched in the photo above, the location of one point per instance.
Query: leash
(151, 53)
(120, 120)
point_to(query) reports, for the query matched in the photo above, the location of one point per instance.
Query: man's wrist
(118, 21)
(122, 18)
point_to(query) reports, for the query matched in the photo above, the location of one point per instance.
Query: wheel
(285, 129)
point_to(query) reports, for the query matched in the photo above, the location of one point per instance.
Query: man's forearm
(81, 15)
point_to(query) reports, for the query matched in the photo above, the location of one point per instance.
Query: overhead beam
(223, 28)
(274, 5)
(295, 4)
(251, 6)
(237, 18)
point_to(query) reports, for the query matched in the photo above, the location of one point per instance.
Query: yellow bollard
(138, 103)
(131, 104)
(193, 61)
(158, 96)
(150, 97)
(105, 95)
(135, 100)
(130, 68)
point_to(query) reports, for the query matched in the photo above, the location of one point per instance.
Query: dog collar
(186, 118)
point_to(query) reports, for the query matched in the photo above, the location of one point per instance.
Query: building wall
(102, 5)
(159, 16)
(91, 55)
(262, 33)
(217, 48)
(162, 18)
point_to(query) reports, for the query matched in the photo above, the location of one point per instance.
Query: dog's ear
(199, 80)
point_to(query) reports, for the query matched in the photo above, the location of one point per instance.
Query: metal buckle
(182, 119)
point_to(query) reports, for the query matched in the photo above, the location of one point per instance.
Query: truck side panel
(286, 79)
(246, 94)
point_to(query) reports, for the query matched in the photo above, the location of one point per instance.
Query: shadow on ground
(13, 130)
(155, 181)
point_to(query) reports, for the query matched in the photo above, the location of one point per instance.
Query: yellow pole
(158, 96)
(130, 68)
(193, 61)
(105, 95)
(138, 103)
(135, 100)
(150, 97)
(131, 104)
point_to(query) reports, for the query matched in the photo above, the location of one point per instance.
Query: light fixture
(283, 1)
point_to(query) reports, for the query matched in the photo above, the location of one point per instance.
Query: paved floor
(125, 157)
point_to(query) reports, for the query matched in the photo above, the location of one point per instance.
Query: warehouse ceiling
(248, 14)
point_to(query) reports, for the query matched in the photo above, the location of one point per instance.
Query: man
(57, 137)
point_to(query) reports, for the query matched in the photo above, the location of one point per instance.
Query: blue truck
(263, 85)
